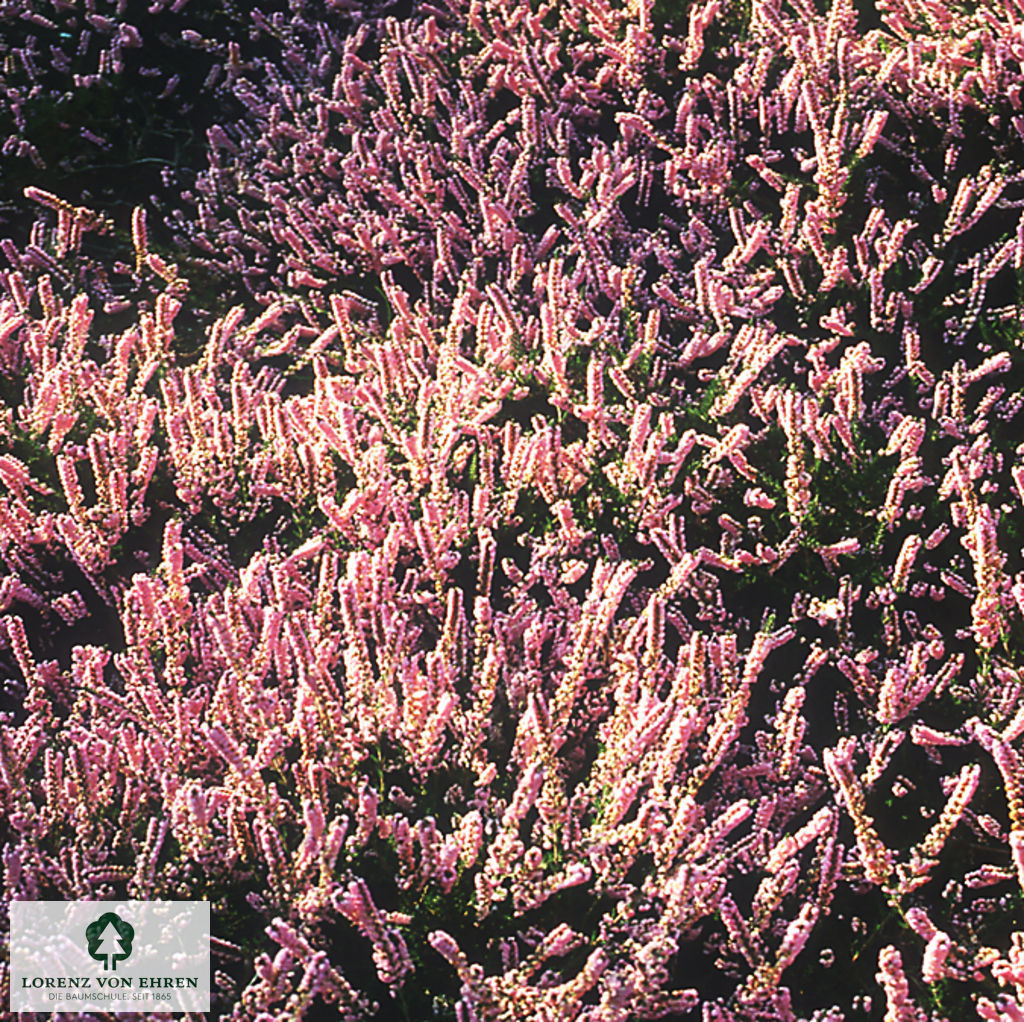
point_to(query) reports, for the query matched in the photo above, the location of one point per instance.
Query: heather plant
(570, 569)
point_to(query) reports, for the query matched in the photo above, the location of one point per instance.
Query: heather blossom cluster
(525, 517)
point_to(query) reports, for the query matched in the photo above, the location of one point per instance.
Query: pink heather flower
(795, 937)
(899, 1005)
(1006, 1010)
(986, 876)
(446, 946)
(933, 967)
(756, 497)
(842, 548)
(791, 844)
(1017, 853)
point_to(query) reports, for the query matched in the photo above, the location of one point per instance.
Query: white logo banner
(116, 956)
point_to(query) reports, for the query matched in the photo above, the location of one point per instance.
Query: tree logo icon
(110, 939)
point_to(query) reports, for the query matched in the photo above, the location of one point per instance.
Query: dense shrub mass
(518, 503)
